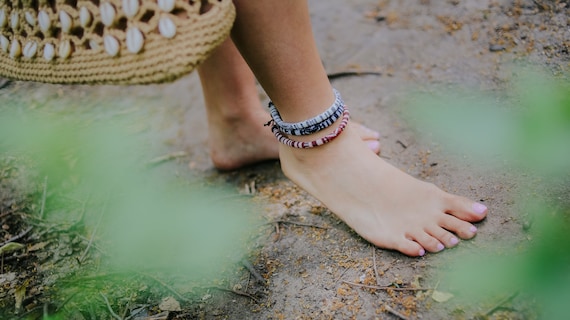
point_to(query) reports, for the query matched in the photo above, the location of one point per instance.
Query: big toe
(466, 209)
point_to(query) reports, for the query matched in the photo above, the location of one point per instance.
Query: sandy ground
(414, 44)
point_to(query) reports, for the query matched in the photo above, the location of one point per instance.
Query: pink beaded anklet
(315, 143)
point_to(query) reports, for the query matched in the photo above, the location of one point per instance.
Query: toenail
(473, 229)
(374, 145)
(479, 208)
(454, 241)
(422, 252)
(440, 247)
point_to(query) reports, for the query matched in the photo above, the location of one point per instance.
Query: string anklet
(315, 143)
(313, 125)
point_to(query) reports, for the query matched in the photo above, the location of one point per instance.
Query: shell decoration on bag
(54, 34)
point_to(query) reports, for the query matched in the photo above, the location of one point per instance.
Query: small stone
(107, 13)
(111, 45)
(15, 49)
(85, 17)
(166, 5)
(44, 21)
(135, 40)
(66, 22)
(166, 27)
(94, 45)
(131, 7)
(30, 18)
(30, 49)
(496, 48)
(49, 52)
(64, 49)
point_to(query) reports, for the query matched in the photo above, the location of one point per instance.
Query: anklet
(313, 125)
(315, 143)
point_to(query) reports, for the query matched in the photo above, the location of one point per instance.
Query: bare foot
(240, 140)
(381, 203)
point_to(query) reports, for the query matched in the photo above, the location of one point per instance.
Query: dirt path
(413, 44)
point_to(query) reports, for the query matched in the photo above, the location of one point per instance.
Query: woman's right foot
(384, 205)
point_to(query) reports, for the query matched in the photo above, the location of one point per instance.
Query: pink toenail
(454, 241)
(422, 252)
(440, 247)
(374, 145)
(479, 208)
(473, 229)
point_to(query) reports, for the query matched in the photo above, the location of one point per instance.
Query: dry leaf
(169, 304)
(441, 296)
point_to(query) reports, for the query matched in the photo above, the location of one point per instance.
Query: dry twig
(239, 293)
(43, 199)
(375, 268)
(300, 224)
(16, 237)
(395, 313)
(176, 293)
(252, 270)
(501, 303)
(385, 287)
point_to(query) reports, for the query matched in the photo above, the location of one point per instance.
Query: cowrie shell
(15, 49)
(66, 22)
(93, 45)
(49, 52)
(135, 40)
(166, 5)
(130, 7)
(30, 49)
(111, 45)
(64, 49)
(44, 21)
(14, 20)
(107, 13)
(85, 17)
(4, 43)
(30, 18)
(166, 27)
(3, 19)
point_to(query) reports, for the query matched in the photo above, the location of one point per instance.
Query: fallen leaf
(441, 296)
(169, 304)
(9, 247)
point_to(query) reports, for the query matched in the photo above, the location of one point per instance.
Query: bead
(44, 21)
(111, 45)
(3, 19)
(66, 22)
(64, 49)
(15, 49)
(107, 13)
(49, 52)
(14, 20)
(166, 27)
(135, 40)
(166, 5)
(30, 49)
(131, 7)
(4, 43)
(85, 17)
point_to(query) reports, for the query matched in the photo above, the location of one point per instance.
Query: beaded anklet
(313, 125)
(315, 143)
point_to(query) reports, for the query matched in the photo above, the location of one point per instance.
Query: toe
(410, 248)
(447, 238)
(465, 209)
(463, 229)
(430, 243)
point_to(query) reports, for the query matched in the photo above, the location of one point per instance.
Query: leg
(237, 136)
(384, 205)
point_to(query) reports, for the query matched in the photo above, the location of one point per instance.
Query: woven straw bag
(109, 41)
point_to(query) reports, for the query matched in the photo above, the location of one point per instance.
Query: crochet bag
(109, 41)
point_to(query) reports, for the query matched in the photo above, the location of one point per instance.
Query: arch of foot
(56, 29)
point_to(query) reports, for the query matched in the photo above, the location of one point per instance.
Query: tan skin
(381, 203)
